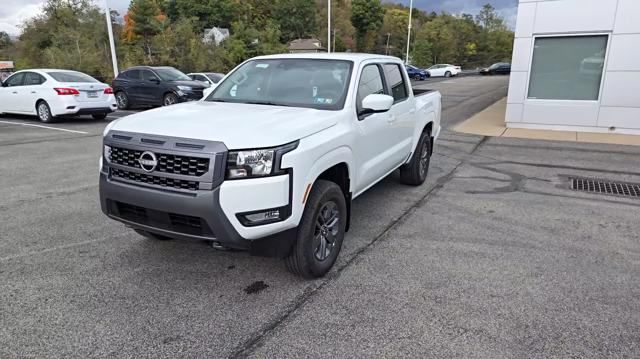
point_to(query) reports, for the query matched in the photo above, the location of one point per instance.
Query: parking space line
(40, 126)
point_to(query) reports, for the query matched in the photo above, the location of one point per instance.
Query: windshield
(171, 74)
(313, 83)
(68, 76)
(495, 66)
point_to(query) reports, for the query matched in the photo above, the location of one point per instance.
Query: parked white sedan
(444, 70)
(49, 93)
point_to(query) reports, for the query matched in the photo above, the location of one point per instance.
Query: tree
(145, 20)
(439, 36)
(295, 18)
(489, 19)
(367, 17)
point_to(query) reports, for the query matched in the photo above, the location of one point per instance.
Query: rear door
(11, 93)
(32, 90)
(131, 82)
(402, 114)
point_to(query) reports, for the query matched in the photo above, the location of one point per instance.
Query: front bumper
(208, 211)
(185, 96)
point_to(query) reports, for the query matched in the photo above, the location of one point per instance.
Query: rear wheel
(122, 100)
(44, 112)
(169, 99)
(99, 116)
(153, 236)
(320, 233)
(447, 74)
(415, 172)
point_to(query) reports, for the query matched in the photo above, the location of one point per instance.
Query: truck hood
(238, 126)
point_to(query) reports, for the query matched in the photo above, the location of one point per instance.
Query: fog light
(263, 217)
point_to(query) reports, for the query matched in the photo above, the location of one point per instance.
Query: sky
(14, 12)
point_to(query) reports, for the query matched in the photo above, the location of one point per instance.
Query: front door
(373, 145)
(402, 112)
(151, 91)
(11, 92)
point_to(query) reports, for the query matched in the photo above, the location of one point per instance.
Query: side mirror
(376, 103)
(155, 80)
(208, 91)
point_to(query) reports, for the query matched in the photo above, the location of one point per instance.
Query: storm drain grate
(605, 187)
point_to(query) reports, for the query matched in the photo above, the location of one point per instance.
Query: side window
(396, 82)
(33, 79)
(132, 75)
(370, 83)
(15, 80)
(148, 75)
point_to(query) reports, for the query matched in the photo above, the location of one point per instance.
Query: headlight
(107, 153)
(185, 88)
(256, 163)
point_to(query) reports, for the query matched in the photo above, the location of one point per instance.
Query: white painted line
(40, 126)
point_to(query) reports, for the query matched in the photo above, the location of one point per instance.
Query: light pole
(328, 26)
(334, 39)
(114, 59)
(388, 36)
(406, 59)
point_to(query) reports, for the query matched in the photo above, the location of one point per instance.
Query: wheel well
(38, 102)
(429, 130)
(339, 174)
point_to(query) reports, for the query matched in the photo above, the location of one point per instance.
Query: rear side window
(71, 77)
(396, 82)
(370, 83)
(32, 78)
(15, 80)
(131, 75)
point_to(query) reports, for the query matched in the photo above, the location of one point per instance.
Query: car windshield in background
(312, 83)
(171, 74)
(214, 76)
(71, 77)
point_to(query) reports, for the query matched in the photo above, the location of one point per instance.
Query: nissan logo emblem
(148, 161)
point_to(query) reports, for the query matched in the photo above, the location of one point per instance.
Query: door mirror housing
(376, 103)
(155, 80)
(208, 91)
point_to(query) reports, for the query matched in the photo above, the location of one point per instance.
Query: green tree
(206, 13)
(439, 35)
(147, 20)
(367, 17)
(295, 18)
(489, 19)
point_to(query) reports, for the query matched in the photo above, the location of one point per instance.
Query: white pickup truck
(271, 159)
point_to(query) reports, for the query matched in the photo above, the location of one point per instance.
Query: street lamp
(114, 59)
(329, 26)
(406, 59)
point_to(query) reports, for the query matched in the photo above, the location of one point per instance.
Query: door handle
(33, 92)
(15, 92)
(391, 119)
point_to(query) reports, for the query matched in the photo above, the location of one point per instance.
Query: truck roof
(350, 56)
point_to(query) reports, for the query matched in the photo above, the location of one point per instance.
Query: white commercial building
(576, 66)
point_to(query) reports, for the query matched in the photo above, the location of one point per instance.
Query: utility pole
(329, 26)
(114, 59)
(406, 59)
(388, 36)
(334, 39)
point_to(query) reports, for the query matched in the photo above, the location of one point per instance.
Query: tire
(415, 172)
(153, 236)
(447, 74)
(169, 99)
(122, 100)
(44, 112)
(99, 116)
(314, 252)
(417, 78)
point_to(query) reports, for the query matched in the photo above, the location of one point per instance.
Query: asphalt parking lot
(493, 257)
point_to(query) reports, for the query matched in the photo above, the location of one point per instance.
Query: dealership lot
(493, 257)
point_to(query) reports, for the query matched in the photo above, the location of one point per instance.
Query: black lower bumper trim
(94, 111)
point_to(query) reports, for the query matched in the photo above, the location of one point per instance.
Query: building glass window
(567, 67)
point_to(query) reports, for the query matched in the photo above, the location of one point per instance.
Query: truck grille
(168, 163)
(155, 180)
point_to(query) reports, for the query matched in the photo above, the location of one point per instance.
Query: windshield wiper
(268, 103)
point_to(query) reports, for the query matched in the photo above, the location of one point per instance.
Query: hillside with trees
(72, 33)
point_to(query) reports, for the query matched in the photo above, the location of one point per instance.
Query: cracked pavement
(493, 257)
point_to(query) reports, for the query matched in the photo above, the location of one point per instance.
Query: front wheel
(44, 112)
(320, 233)
(415, 172)
(169, 99)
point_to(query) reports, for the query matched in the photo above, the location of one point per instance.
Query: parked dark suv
(501, 68)
(154, 86)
